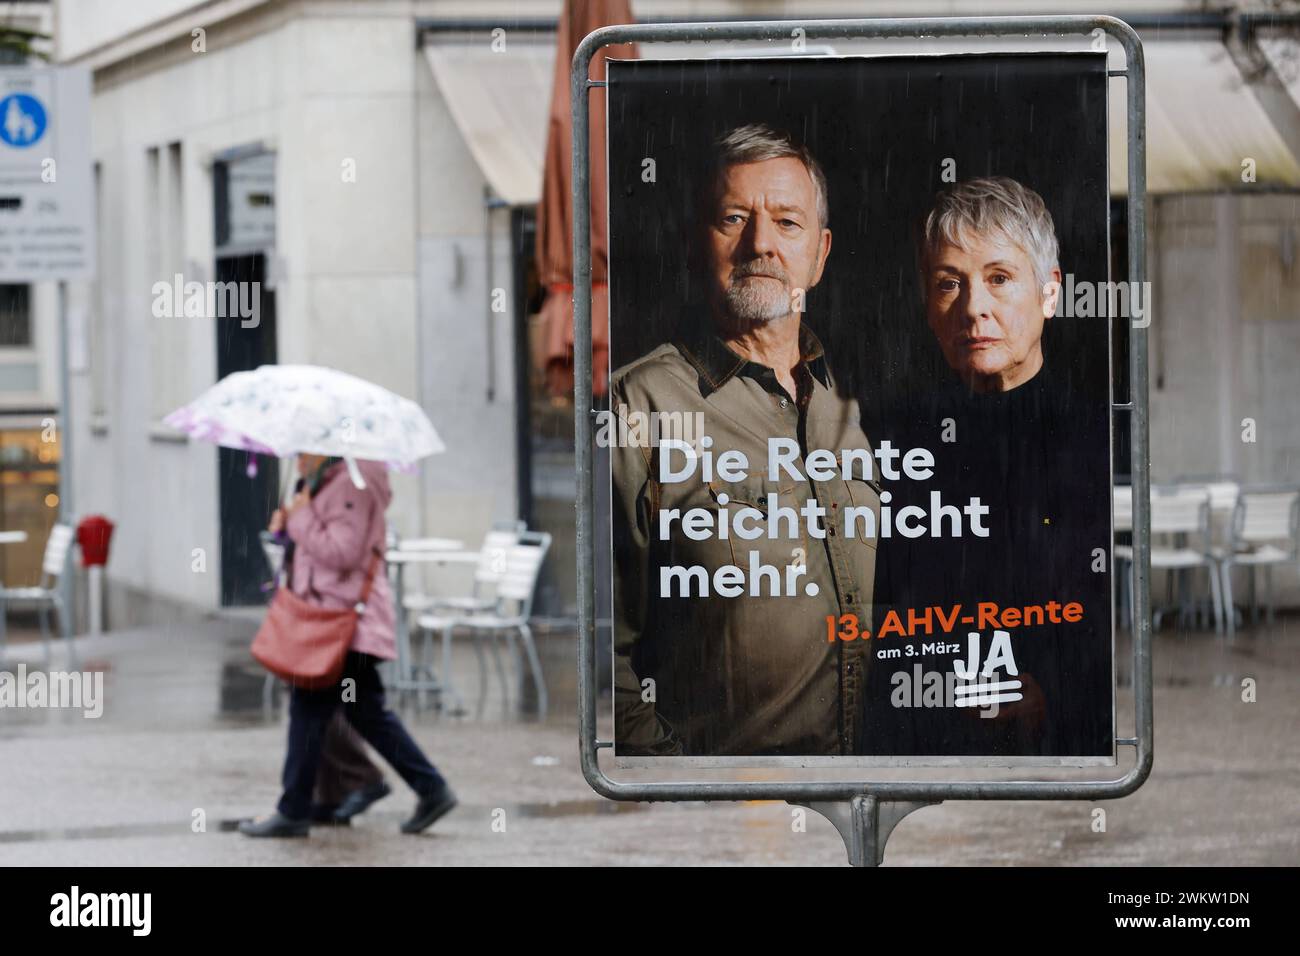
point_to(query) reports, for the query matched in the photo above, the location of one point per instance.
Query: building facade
(29, 372)
(374, 166)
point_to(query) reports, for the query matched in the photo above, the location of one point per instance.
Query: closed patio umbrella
(555, 212)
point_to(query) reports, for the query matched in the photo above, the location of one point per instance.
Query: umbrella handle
(354, 472)
(287, 481)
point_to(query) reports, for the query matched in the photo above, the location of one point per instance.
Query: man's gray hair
(994, 205)
(758, 142)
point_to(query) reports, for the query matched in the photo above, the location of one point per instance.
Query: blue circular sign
(22, 120)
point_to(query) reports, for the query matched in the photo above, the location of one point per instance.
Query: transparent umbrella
(284, 410)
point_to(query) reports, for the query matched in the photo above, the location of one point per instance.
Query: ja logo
(22, 119)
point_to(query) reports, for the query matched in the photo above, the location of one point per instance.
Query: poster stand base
(865, 823)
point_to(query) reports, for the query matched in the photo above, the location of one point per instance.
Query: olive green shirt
(754, 674)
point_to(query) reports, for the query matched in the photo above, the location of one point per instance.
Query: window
(169, 337)
(99, 311)
(15, 316)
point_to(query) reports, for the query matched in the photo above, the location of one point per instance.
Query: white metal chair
(45, 595)
(1223, 494)
(1183, 518)
(488, 571)
(1123, 498)
(1265, 532)
(508, 614)
(1222, 489)
(1122, 510)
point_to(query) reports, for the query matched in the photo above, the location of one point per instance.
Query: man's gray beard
(753, 303)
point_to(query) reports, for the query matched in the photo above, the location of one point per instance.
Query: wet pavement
(188, 744)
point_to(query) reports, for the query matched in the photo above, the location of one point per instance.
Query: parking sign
(46, 199)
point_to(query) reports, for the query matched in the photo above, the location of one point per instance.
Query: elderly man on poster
(743, 667)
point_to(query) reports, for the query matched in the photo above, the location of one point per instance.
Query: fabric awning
(1202, 117)
(1202, 122)
(499, 102)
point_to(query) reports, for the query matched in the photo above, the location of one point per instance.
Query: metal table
(441, 551)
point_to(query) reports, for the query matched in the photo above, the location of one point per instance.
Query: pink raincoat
(335, 535)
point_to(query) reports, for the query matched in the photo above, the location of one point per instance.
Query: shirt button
(785, 403)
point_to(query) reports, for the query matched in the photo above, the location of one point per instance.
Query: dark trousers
(310, 712)
(344, 764)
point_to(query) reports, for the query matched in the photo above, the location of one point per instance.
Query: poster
(859, 420)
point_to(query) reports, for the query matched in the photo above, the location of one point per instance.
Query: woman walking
(338, 536)
(348, 781)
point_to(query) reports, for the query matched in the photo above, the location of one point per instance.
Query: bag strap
(376, 514)
(370, 579)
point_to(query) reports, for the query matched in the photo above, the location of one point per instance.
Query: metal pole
(903, 791)
(66, 513)
(583, 437)
(95, 600)
(1139, 396)
(488, 206)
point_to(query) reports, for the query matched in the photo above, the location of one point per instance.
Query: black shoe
(359, 801)
(324, 813)
(276, 825)
(429, 809)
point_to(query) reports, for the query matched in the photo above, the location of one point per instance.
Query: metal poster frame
(865, 811)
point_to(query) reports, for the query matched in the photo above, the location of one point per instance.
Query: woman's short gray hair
(758, 142)
(995, 204)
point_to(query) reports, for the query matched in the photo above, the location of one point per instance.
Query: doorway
(248, 486)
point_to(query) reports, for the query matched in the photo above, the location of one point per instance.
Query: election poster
(859, 424)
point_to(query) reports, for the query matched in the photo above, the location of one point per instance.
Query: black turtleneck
(1038, 458)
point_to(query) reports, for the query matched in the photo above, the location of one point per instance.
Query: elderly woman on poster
(1009, 425)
